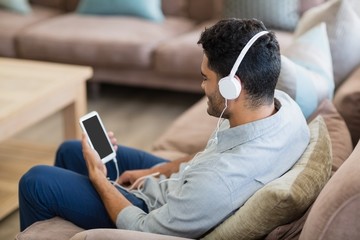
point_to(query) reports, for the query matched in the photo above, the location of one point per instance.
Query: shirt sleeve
(190, 210)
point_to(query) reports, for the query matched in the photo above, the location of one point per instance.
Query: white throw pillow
(343, 25)
(306, 71)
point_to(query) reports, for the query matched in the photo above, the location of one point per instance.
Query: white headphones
(229, 86)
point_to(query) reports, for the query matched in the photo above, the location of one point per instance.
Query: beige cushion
(336, 212)
(285, 198)
(342, 23)
(110, 41)
(11, 24)
(347, 101)
(341, 148)
(307, 75)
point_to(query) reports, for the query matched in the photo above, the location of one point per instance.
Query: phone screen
(97, 136)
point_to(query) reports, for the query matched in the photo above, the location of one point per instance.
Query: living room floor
(137, 116)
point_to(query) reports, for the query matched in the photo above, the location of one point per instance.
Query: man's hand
(113, 200)
(113, 140)
(93, 161)
(128, 178)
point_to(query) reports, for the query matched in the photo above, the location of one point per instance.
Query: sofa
(127, 50)
(333, 215)
(331, 207)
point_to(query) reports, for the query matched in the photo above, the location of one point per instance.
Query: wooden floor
(137, 116)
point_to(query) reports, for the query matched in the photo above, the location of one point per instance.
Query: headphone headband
(244, 51)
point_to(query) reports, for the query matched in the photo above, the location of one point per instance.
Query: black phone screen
(97, 136)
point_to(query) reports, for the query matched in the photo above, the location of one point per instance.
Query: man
(264, 133)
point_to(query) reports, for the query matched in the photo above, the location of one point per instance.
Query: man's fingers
(84, 142)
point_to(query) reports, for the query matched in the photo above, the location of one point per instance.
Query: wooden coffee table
(30, 91)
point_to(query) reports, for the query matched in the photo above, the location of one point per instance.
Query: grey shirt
(218, 180)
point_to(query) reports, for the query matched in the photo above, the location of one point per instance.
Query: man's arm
(129, 177)
(113, 200)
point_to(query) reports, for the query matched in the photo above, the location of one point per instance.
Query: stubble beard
(216, 104)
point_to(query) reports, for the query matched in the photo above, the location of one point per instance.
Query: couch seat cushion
(99, 40)
(54, 228)
(12, 24)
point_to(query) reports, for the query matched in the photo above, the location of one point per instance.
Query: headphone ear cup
(229, 87)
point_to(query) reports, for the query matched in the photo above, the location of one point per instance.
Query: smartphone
(98, 139)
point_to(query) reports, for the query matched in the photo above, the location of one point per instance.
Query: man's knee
(32, 178)
(66, 152)
(69, 147)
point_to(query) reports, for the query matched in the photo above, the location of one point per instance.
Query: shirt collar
(231, 137)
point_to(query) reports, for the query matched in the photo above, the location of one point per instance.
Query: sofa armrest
(190, 132)
(118, 234)
(335, 213)
(347, 102)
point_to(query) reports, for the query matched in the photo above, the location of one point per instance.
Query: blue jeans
(65, 190)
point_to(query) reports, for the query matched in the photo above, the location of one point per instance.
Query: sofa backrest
(199, 10)
(58, 4)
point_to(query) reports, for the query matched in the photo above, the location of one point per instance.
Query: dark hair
(260, 68)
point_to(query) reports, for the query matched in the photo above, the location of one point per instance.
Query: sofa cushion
(346, 100)
(19, 6)
(58, 4)
(341, 20)
(306, 75)
(307, 4)
(148, 9)
(340, 137)
(13, 24)
(286, 198)
(54, 228)
(182, 55)
(336, 212)
(341, 149)
(279, 14)
(175, 7)
(119, 234)
(110, 41)
(179, 8)
(204, 10)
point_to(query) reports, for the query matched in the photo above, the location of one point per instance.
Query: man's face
(216, 102)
